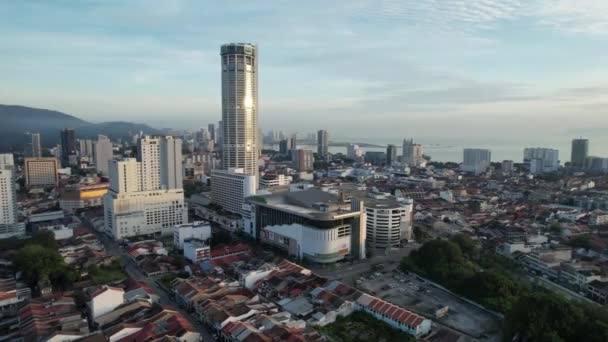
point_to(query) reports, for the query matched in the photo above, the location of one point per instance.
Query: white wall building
(199, 230)
(103, 154)
(8, 198)
(146, 195)
(541, 160)
(197, 251)
(353, 151)
(598, 218)
(476, 160)
(105, 300)
(412, 154)
(318, 245)
(389, 220)
(230, 187)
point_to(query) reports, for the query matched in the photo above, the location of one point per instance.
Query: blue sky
(492, 69)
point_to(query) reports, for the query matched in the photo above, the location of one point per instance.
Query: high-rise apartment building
(103, 154)
(391, 155)
(240, 107)
(146, 194)
(322, 144)
(229, 188)
(86, 149)
(9, 225)
(211, 129)
(41, 172)
(36, 148)
(476, 160)
(541, 160)
(69, 150)
(303, 160)
(353, 151)
(580, 152)
(412, 154)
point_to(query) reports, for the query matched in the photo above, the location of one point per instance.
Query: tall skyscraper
(580, 152)
(68, 147)
(9, 225)
(293, 142)
(103, 154)
(240, 107)
(36, 149)
(146, 195)
(391, 155)
(211, 129)
(476, 160)
(322, 144)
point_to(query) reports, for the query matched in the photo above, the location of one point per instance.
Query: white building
(413, 154)
(476, 160)
(197, 251)
(103, 154)
(9, 225)
(598, 218)
(317, 245)
(389, 220)
(270, 180)
(353, 151)
(229, 188)
(146, 195)
(541, 160)
(105, 300)
(199, 230)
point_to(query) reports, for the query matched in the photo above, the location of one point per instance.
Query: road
(165, 299)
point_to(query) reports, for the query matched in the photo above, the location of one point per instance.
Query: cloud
(576, 16)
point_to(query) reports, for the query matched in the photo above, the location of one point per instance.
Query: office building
(270, 180)
(146, 194)
(284, 147)
(41, 172)
(36, 148)
(507, 167)
(391, 155)
(240, 107)
(353, 151)
(9, 225)
(596, 164)
(293, 142)
(375, 158)
(322, 144)
(69, 150)
(311, 224)
(541, 160)
(211, 129)
(197, 251)
(104, 153)
(412, 154)
(303, 160)
(199, 230)
(85, 148)
(389, 220)
(476, 160)
(579, 153)
(229, 188)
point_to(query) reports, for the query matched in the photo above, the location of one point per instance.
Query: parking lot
(424, 298)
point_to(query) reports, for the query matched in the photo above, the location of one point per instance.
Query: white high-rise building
(389, 220)
(476, 160)
(9, 225)
(103, 154)
(36, 149)
(240, 107)
(146, 195)
(541, 160)
(353, 151)
(412, 154)
(229, 188)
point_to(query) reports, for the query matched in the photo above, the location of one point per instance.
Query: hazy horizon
(465, 72)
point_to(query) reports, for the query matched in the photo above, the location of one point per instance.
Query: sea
(453, 152)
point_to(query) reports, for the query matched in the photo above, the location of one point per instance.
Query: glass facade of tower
(240, 107)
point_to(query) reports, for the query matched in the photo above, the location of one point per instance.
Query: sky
(466, 71)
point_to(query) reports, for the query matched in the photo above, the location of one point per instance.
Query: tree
(581, 241)
(44, 238)
(39, 263)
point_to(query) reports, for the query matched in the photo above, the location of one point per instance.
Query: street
(165, 299)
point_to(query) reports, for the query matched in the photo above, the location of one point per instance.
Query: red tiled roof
(240, 248)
